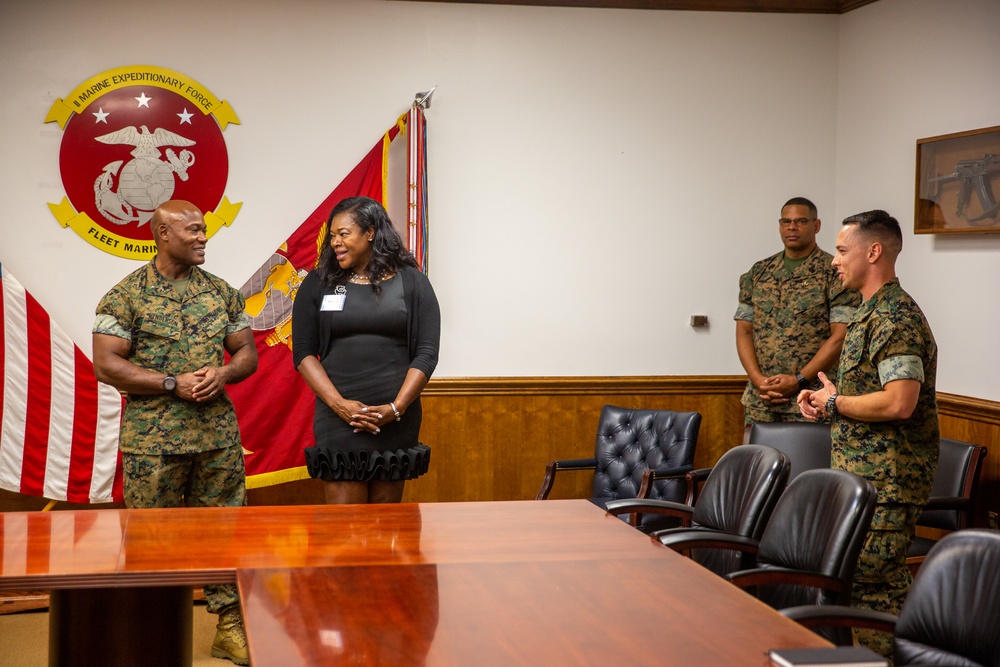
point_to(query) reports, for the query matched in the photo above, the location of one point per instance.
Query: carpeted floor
(24, 639)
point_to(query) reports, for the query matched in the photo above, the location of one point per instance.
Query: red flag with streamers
(274, 405)
(58, 424)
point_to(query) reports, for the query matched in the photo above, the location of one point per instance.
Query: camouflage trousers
(207, 479)
(882, 578)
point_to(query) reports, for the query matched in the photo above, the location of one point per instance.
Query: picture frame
(958, 183)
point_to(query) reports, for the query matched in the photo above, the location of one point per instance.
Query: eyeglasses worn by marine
(798, 222)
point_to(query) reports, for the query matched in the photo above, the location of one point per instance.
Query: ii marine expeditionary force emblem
(133, 138)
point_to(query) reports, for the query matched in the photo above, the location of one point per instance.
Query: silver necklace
(364, 280)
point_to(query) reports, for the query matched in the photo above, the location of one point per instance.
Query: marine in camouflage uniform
(791, 303)
(885, 417)
(161, 341)
(889, 339)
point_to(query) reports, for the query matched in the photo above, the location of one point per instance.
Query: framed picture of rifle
(958, 183)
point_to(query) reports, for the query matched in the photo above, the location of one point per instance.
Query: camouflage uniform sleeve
(896, 350)
(108, 325)
(744, 310)
(115, 315)
(236, 309)
(903, 367)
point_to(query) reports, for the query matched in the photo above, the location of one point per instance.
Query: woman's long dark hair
(388, 253)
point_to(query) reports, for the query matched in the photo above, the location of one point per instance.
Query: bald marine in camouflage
(160, 338)
(791, 318)
(884, 409)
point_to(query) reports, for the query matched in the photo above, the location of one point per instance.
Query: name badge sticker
(334, 301)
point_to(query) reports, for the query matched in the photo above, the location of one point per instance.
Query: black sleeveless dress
(367, 359)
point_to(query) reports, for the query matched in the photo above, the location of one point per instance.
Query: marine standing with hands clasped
(791, 318)
(883, 407)
(365, 332)
(159, 338)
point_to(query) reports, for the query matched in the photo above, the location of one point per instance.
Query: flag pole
(416, 151)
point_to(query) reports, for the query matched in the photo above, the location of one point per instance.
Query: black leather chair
(629, 442)
(737, 498)
(951, 616)
(809, 549)
(807, 444)
(952, 500)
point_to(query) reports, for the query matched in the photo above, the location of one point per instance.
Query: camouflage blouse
(889, 339)
(791, 315)
(175, 335)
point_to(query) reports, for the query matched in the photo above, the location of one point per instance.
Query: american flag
(58, 424)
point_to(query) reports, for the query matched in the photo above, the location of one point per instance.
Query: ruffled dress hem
(365, 466)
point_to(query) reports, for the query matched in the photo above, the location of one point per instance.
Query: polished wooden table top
(42, 550)
(208, 545)
(637, 607)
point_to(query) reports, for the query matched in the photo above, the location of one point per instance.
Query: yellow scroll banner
(148, 75)
(129, 248)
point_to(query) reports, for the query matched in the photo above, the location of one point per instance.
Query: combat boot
(230, 637)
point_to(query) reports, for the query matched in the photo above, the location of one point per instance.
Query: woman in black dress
(365, 332)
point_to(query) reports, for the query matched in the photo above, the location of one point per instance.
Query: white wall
(596, 176)
(912, 69)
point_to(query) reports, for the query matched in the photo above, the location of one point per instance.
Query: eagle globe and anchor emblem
(147, 180)
(111, 198)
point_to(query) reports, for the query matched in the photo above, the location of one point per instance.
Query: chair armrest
(575, 464)
(652, 475)
(784, 575)
(685, 539)
(947, 503)
(639, 506)
(694, 479)
(552, 467)
(819, 616)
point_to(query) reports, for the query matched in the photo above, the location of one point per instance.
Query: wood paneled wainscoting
(491, 437)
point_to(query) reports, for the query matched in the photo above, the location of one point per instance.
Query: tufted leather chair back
(629, 442)
(951, 615)
(807, 444)
(819, 525)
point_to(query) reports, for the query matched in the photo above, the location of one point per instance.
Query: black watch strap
(831, 405)
(801, 379)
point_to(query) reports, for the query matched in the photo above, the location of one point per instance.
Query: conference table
(485, 583)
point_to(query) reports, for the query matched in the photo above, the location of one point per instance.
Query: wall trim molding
(641, 385)
(972, 409)
(952, 405)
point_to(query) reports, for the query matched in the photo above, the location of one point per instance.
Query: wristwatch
(169, 384)
(803, 382)
(831, 405)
